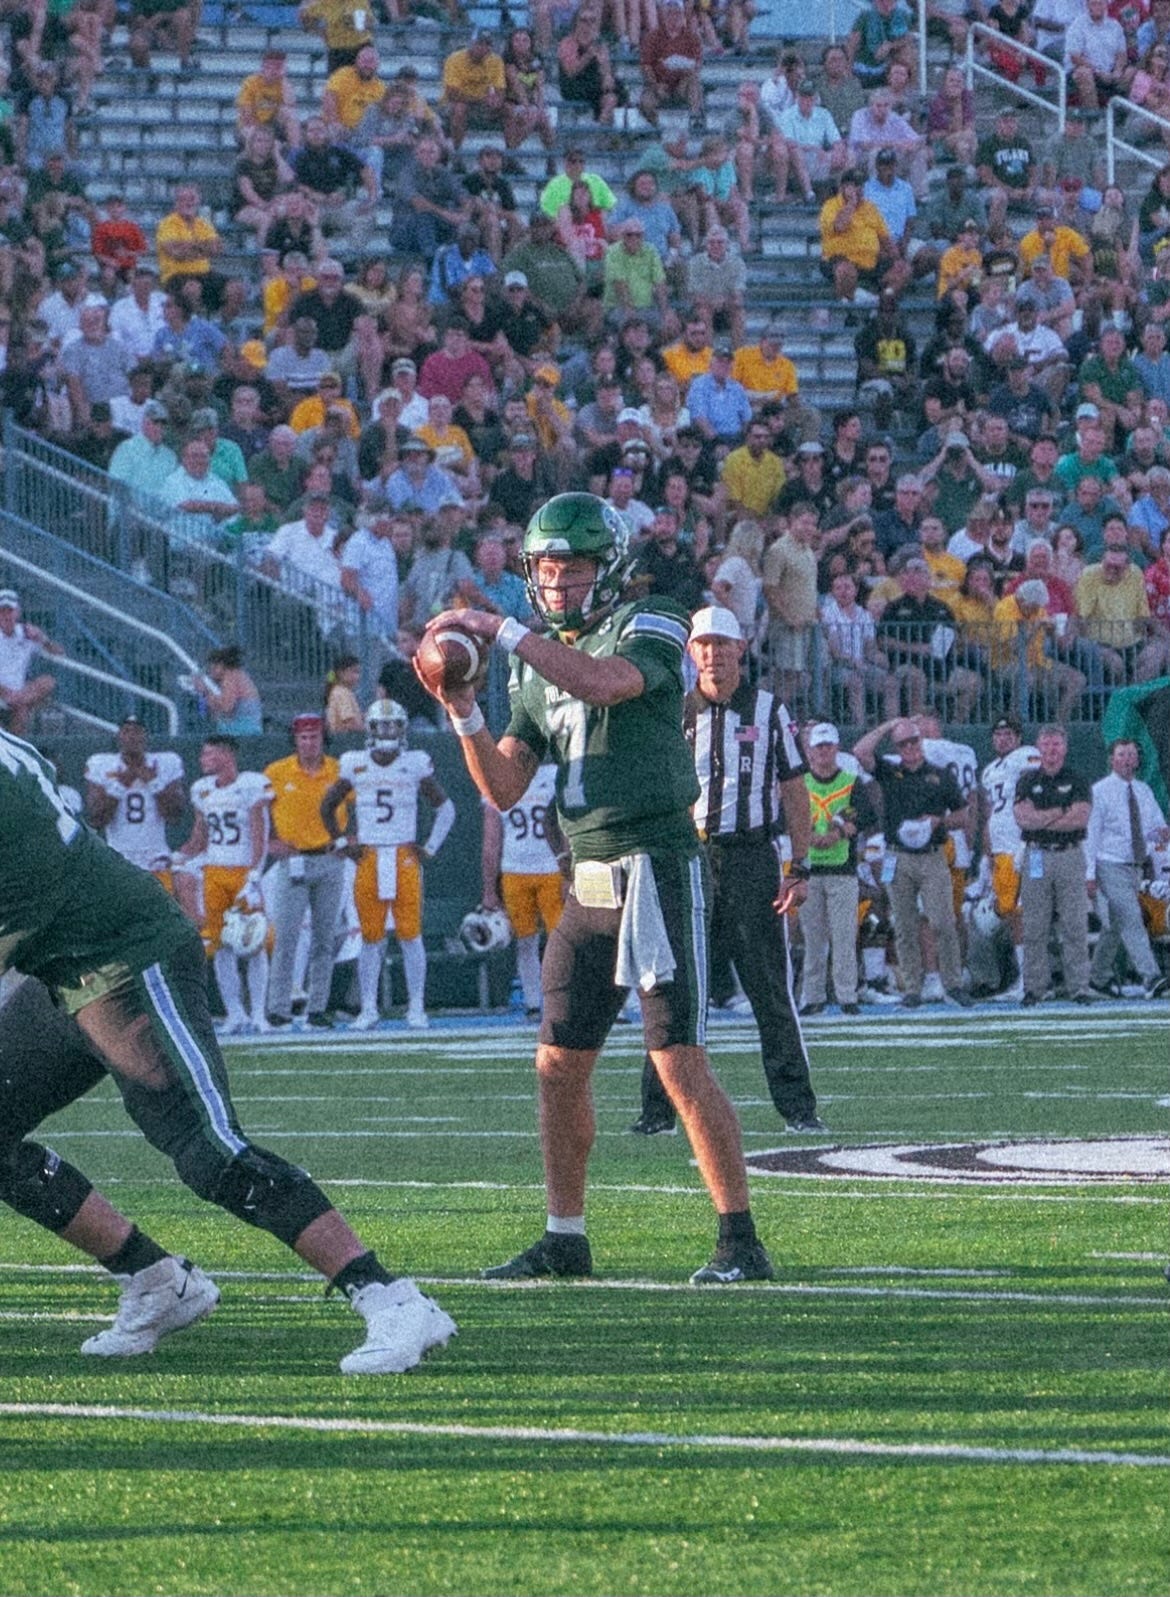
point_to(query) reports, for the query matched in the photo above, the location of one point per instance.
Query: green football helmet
(579, 524)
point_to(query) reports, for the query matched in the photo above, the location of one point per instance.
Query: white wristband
(511, 634)
(466, 726)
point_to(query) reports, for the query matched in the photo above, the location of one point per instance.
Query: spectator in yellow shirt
(473, 88)
(770, 378)
(351, 91)
(344, 26)
(856, 248)
(753, 474)
(962, 264)
(266, 99)
(311, 412)
(1069, 253)
(1054, 686)
(690, 355)
(186, 244)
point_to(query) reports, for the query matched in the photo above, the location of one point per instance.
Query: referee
(744, 750)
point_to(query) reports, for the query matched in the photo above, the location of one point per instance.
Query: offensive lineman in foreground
(602, 697)
(127, 979)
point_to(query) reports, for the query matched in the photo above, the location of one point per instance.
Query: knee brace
(42, 1186)
(266, 1191)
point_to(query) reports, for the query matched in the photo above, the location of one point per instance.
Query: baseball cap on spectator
(632, 224)
(914, 562)
(810, 447)
(155, 410)
(203, 418)
(329, 380)
(546, 372)
(403, 364)
(1045, 213)
(484, 36)
(822, 734)
(629, 414)
(308, 721)
(451, 501)
(723, 349)
(66, 269)
(635, 446)
(807, 86)
(958, 441)
(414, 445)
(713, 621)
(1087, 412)
(522, 441)
(1008, 723)
(9, 599)
(329, 268)
(970, 225)
(885, 156)
(515, 280)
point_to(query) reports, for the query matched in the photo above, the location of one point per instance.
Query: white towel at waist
(645, 959)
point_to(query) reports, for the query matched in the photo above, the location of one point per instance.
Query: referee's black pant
(747, 931)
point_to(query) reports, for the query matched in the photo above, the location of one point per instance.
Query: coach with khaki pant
(1052, 809)
(921, 803)
(840, 809)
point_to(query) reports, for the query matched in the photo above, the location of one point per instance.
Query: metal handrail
(1113, 143)
(186, 663)
(973, 67)
(62, 662)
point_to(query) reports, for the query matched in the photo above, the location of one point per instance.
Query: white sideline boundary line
(846, 1446)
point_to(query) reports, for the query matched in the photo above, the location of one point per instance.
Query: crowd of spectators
(408, 362)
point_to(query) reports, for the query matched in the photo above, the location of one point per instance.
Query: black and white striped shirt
(741, 750)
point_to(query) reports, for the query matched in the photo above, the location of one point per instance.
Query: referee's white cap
(713, 621)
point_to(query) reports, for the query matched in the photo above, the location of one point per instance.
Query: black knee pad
(42, 1186)
(264, 1190)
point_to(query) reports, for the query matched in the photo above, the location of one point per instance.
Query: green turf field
(955, 1385)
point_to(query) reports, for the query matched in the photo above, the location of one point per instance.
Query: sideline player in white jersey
(131, 795)
(960, 760)
(523, 852)
(1003, 846)
(228, 843)
(385, 780)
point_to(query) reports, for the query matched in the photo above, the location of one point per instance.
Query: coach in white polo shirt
(1125, 825)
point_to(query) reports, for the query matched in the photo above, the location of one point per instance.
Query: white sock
(566, 1225)
(873, 961)
(227, 974)
(369, 974)
(414, 969)
(528, 969)
(256, 971)
(1018, 951)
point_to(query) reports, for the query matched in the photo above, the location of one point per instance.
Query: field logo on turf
(1065, 1161)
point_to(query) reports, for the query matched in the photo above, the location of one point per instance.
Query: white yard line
(924, 1452)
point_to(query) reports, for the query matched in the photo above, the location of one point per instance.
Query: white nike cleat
(165, 1297)
(1011, 995)
(932, 989)
(402, 1326)
(365, 1020)
(233, 1025)
(417, 1019)
(260, 1023)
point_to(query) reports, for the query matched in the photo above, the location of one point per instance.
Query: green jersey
(625, 777)
(72, 911)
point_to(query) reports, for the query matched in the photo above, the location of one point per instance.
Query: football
(449, 658)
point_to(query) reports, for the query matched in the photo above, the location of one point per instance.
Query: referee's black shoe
(650, 1125)
(556, 1254)
(735, 1261)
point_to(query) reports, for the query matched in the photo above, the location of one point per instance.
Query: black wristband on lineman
(798, 870)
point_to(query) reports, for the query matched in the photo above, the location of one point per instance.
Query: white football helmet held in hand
(244, 931)
(483, 931)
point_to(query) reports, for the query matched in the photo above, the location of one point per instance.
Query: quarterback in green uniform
(601, 695)
(117, 986)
